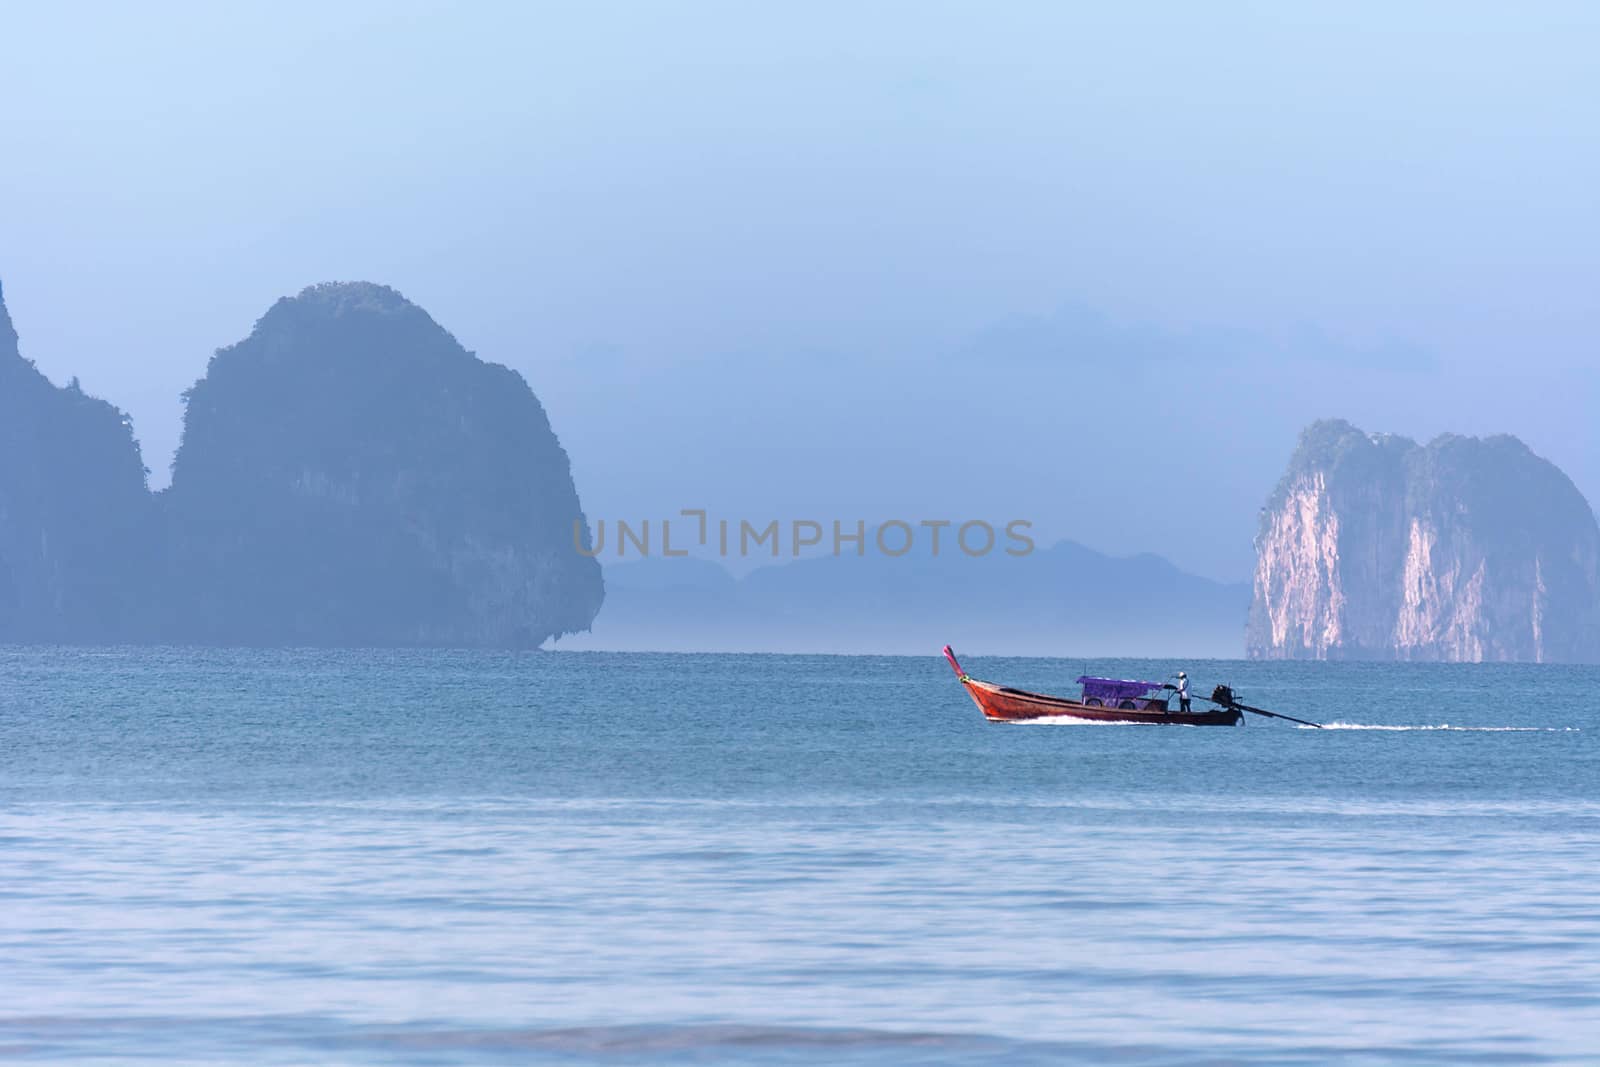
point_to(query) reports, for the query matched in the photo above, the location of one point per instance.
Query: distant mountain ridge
(1466, 549)
(1062, 600)
(349, 475)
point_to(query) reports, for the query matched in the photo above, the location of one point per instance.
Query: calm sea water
(442, 858)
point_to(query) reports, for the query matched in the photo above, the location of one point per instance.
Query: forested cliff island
(348, 475)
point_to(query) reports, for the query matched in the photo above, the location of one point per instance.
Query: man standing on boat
(1183, 691)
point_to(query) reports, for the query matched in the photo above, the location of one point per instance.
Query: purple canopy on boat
(1115, 688)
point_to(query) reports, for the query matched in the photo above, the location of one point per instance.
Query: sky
(1092, 266)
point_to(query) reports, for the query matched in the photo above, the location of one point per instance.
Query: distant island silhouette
(76, 521)
(349, 475)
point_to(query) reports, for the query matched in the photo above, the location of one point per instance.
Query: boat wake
(1065, 720)
(1447, 726)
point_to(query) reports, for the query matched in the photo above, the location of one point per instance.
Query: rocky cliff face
(350, 475)
(1373, 547)
(75, 515)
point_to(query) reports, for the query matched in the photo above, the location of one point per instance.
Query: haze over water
(1090, 265)
(433, 857)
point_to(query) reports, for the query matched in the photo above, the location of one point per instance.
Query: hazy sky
(1091, 265)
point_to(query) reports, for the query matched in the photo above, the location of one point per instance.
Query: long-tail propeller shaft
(1223, 696)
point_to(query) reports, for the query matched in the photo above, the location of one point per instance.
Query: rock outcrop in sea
(1463, 550)
(349, 476)
(75, 512)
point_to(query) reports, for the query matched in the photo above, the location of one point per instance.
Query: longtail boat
(1103, 700)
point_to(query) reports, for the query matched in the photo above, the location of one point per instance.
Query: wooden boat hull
(1002, 704)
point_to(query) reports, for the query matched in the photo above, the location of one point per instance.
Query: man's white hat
(1182, 675)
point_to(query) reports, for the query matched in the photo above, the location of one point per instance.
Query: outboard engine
(1223, 695)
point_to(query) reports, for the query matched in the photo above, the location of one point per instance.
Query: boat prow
(1004, 704)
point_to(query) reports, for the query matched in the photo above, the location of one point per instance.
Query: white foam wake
(1447, 726)
(1067, 720)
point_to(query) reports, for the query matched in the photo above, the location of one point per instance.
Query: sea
(425, 857)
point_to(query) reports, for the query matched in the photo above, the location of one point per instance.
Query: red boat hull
(1000, 704)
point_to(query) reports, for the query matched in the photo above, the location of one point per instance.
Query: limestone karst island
(1468, 550)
